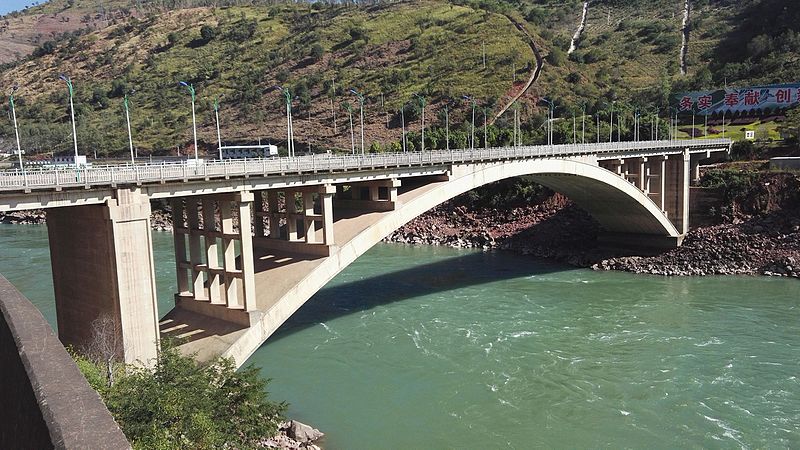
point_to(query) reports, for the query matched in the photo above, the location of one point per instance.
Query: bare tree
(105, 347)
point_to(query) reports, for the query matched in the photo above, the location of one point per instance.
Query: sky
(6, 6)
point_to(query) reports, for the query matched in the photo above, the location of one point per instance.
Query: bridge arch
(614, 202)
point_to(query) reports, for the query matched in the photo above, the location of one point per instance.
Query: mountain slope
(628, 53)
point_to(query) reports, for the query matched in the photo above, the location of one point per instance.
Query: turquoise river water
(431, 348)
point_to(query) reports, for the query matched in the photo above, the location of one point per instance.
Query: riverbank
(752, 229)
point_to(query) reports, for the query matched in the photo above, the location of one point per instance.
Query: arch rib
(614, 202)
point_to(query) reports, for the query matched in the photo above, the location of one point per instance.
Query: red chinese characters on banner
(783, 96)
(704, 102)
(732, 99)
(751, 98)
(686, 103)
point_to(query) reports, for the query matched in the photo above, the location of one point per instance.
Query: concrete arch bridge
(254, 240)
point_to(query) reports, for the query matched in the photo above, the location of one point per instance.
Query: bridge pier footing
(102, 262)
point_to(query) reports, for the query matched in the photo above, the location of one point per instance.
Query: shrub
(743, 150)
(180, 404)
(207, 33)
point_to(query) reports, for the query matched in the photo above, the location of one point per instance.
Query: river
(417, 347)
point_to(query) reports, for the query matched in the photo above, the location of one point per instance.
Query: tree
(317, 51)
(207, 33)
(790, 127)
(180, 404)
(104, 349)
(556, 57)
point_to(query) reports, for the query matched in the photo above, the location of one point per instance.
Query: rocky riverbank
(755, 230)
(294, 435)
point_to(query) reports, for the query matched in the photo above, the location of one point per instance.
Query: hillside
(629, 52)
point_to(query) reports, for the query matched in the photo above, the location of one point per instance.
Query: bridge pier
(102, 261)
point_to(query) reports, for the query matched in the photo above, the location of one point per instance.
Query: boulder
(302, 432)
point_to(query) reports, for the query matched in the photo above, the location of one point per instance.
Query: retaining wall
(45, 402)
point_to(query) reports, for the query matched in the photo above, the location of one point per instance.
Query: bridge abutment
(102, 261)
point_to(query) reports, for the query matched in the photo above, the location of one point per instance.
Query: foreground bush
(181, 404)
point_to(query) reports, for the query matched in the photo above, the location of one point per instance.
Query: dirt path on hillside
(534, 75)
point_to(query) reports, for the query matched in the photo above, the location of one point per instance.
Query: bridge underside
(286, 276)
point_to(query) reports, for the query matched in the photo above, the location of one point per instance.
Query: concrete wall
(46, 402)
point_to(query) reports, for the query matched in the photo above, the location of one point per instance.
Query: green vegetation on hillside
(627, 57)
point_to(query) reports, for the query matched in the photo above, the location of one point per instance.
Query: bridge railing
(66, 176)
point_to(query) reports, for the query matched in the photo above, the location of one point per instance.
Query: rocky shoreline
(757, 233)
(294, 435)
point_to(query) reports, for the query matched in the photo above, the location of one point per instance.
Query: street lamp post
(472, 129)
(191, 90)
(598, 127)
(403, 123)
(361, 114)
(517, 131)
(128, 121)
(446, 128)
(574, 128)
(611, 124)
(349, 109)
(485, 130)
(219, 136)
(549, 121)
(287, 96)
(583, 124)
(67, 80)
(16, 129)
(421, 100)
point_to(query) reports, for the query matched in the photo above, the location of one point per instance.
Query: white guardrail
(70, 176)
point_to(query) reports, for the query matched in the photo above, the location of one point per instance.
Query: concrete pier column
(231, 277)
(310, 231)
(643, 175)
(102, 261)
(179, 233)
(291, 215)
(258, 213)
(274, 216)
(245, 203)
(684, 197)
(662, 180)
(326, 195)
(195, 248)
(212, 252)
(695, 170)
